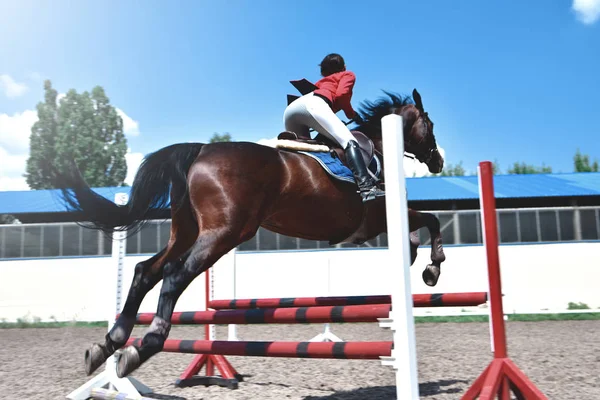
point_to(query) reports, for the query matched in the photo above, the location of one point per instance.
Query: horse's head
(419, 138)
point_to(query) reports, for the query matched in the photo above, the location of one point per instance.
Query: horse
(221, 193)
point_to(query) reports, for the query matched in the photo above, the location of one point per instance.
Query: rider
(317, 110)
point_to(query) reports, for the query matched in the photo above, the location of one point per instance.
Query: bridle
(428, 155)
(425, 159)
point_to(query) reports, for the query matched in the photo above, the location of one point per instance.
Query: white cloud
(12, 168)
(14, 148)
(587, 11)
(8, 184)
(11, 87)
(12, 164)
(130, 127)
(414, 168)
(133, 163)
(16, 129)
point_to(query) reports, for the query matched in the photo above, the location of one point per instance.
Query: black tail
(149, 192)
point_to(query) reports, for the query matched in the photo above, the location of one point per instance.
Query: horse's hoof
(431, 275)
(94, 357)
(129, 361)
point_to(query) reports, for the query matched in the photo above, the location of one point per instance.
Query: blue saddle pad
(334, 167)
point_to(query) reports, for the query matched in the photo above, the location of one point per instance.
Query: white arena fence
(535, 277)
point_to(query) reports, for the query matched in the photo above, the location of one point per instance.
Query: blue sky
(502, 80)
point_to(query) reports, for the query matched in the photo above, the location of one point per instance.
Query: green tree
(582, 163)
(6, 219)
(496, 167)
(453, 170)
(84, 128)
(226, 137)
(459, 170)
(522, 168)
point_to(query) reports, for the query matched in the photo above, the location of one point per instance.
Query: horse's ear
(418, 102)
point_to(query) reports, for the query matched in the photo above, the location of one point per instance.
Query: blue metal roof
(44, 201)
(430, 188)
(505, 186)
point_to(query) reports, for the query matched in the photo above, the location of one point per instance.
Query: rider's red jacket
(337, 88)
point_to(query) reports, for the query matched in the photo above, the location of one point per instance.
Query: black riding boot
(366, 183)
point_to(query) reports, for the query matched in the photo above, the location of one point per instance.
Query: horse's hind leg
(206, 251)
(418, 220)
(209, 247)
(146, 275)
(144, 279)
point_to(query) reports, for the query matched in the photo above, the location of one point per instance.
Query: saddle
(367, 148)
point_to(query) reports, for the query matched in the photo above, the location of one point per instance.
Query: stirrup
(371, 194)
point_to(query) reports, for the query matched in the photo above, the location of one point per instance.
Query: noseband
(425, 159)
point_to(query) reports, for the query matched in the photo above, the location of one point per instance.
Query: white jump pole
(327, 335)
(108, 378)
(232, 334)
(404, 355)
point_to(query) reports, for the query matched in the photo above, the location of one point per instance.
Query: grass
(54, 324)
(513, 317)
(25, 324)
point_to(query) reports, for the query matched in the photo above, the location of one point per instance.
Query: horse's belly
(315, 220)
(313, 206)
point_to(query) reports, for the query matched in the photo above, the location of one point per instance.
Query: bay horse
(221, 193)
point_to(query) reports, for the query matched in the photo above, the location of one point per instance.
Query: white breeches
(311, 111)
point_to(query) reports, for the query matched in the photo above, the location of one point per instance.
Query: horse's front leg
(415, 242)
(418, 220)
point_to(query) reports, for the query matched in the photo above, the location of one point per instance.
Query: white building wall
(534, 277)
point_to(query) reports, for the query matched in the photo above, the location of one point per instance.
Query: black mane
(371, 113)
